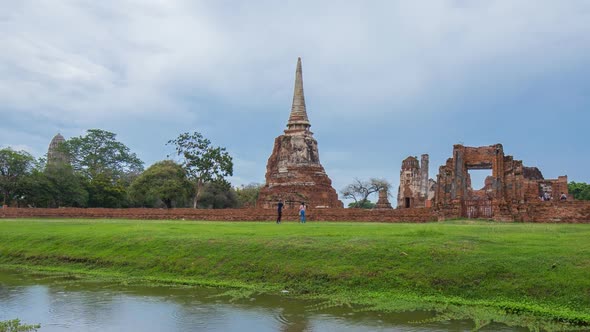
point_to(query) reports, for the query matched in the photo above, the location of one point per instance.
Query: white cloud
(156, 67)
(102, 58)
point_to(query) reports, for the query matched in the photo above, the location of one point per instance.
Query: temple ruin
(508, 189)
(293, 172)
(54, 155)
(416, 190)
(383, 201)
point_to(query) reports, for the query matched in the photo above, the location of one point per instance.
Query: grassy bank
(525, 274)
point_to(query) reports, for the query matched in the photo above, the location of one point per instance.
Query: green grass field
(524, 274)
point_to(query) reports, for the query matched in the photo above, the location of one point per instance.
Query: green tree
(99, 153)
(53, 185)
(164, 181)
(107, 165)
(362, 205)
(15, 166)
(359, 191)
(37, 190)
(67, 187)
(248, 195)
(202, 162)
(14, 325)
(218, 195)
(580, 190)
(104, 191)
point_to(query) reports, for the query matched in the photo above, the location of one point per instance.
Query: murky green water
(60, 305)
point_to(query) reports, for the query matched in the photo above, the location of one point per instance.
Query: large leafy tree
(164, 181)
(248, 195)
(37, 190)
(203, 162)
(218, 195)
(53, 185)
(107, 165)
(99, 153)
(66, 186)
(15, 166)
(580, 190)
(359, 191)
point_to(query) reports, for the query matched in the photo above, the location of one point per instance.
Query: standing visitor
(302, 213)
(280, 211)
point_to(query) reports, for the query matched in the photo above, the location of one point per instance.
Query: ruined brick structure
(383, 201)
(54, 156)
(250, 214)
(539, 212)
(293, 171)
(510, 187)
(415, 188)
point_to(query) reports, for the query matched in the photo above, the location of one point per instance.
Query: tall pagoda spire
(298, 121)
(293, 172)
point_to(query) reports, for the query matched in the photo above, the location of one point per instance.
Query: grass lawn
(524, 274)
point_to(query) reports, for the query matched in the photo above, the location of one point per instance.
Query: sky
(383, 80)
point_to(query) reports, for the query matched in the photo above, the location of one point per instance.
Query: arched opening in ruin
(407, 202)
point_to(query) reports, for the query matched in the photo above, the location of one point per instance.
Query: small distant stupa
(293, 172)
(383, 202)
(54, 156)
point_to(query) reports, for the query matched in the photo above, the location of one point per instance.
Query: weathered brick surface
(511, 193)
(294, 174)
(542, 212)
(510, 182)
(406, 215)
(555, 211)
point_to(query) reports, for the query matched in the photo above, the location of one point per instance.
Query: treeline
(580, 190)
(96, 170)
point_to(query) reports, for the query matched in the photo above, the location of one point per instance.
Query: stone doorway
(407, 202)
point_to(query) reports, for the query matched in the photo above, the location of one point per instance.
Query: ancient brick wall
(406, 215)
(554, 211)
(507, 192)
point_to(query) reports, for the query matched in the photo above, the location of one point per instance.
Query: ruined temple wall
(531, 191)
(569, 211)
(561, 185)
(553, 212)
(508, 192)
(446, 188)
(542, 212)
(514, 184)
(387, 215)
(424, 176)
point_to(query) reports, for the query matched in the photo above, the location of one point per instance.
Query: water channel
(74, 305)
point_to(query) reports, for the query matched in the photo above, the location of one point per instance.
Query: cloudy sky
(383, 79)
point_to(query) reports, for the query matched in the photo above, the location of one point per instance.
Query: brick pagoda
(293, 172)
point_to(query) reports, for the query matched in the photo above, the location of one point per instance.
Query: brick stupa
(54, 155)
(293, 172)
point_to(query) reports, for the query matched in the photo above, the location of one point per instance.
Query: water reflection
(61, 305)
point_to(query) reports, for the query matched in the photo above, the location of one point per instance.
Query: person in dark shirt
(280, 211)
